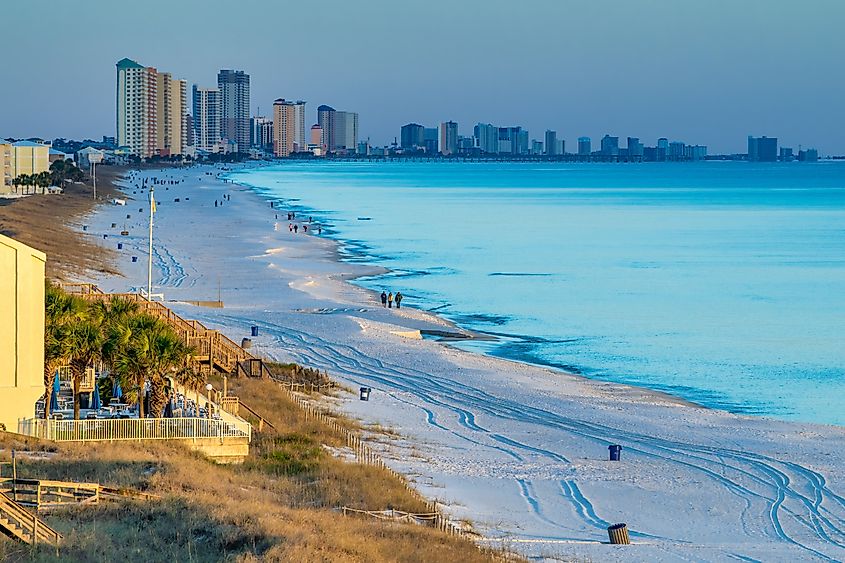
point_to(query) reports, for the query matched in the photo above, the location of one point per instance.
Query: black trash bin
(365, 393)
(254, 331)
(615, 452)
(134, 258)
(120, 246)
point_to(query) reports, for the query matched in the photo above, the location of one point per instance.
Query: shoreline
(471, 423)
(471, 334)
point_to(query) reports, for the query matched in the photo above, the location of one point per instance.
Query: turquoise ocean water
(721, 283)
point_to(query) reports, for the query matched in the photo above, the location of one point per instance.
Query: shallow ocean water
(721, 283)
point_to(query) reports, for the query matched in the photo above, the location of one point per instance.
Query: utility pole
(94, 176)
(150, 257)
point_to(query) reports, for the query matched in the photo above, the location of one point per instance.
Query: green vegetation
(281, 505)
(60, 171)
(136, 347)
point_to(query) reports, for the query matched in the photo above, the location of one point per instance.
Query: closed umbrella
(54, 395)
(117, 392)
(168, 409)
(95, 400)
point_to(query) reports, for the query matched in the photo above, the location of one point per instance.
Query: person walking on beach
(390, 300)
(398, 298)
(296, 228)
(290, 227)
(383, 299)
(304, 228)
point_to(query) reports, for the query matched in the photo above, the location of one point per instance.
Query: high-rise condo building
(151, 111)
(430, 138)
(635, 148)
(513, 140)
(206, 117)
(234, 105)
(346, 131)
(261, 133)
(316, 135)
(326, 121)
(551, 143)
(448, 138)
(486, 137)
(172, 115)
(300, 141)
(137, 108)
(609, 146)
(762, 149)
(284, 127)
(412, 136)
(584, 146)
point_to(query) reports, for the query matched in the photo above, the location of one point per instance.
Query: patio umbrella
(168, 409)
(54, 394)
(117, 392)
(95, 399)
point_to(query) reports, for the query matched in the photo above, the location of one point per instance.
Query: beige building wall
(21, 331)
(29, 158)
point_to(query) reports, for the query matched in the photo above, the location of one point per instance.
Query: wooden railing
(135, 429)
(212, 350)
(26, 527)
(50, 494)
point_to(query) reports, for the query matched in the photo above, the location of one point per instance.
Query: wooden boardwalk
(213, 350)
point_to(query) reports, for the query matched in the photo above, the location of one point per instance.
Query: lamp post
(209, 388)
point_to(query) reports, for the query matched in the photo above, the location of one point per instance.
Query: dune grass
(280, 505)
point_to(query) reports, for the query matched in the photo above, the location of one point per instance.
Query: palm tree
(60, 312)
(171, 354)
(114, 317)
(86, 343)
(147, 349)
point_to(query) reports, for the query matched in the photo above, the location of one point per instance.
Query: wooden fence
(365, 455)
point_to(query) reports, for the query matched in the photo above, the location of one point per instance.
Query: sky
(705, 72)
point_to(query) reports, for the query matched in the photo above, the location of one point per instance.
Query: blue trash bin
(615, 452)
(120, 246)
(134, 258)
(254, 331)
(365, 393)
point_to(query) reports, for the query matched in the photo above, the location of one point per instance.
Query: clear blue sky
(704, 71)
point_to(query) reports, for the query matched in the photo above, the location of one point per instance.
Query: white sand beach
(521, 451)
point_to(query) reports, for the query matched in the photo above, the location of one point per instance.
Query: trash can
(84, 227)
(134, 258)
(365, 393)
(246, 343)
(105, 236)
(615, 452)
(254, 331)
(618, 534)
(120, 246)
(129, 216)
(114, 225)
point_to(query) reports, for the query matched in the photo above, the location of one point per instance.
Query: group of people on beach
(388, 299)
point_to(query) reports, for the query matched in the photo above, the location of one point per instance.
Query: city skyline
(579, 70)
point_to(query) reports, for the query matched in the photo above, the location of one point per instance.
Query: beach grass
(280, 505)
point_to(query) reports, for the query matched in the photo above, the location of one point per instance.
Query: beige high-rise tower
(172, 109)
(287, 120)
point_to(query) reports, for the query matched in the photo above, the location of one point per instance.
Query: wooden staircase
(18, 523)
(213, 350)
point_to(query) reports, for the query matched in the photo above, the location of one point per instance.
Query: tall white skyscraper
(234, 104)
(137, 108)
(152, 116)
(206, 118)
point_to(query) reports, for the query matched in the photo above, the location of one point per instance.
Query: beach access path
(520, 450)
